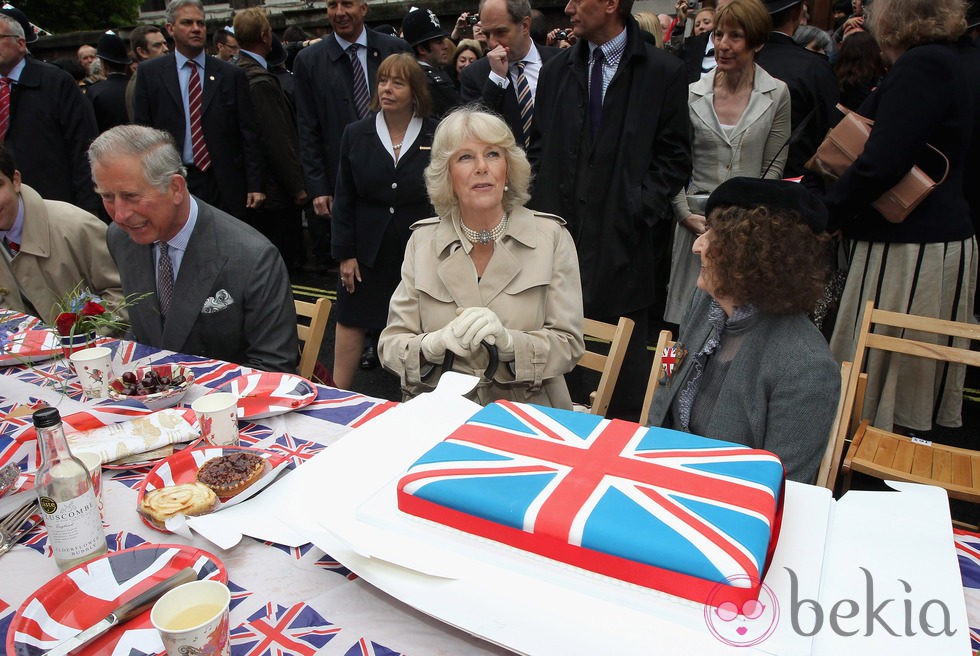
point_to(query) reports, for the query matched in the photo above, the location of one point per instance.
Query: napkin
(138, 436)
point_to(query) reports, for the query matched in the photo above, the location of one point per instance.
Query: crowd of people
(482, 190)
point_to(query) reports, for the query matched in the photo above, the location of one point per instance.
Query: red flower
(92, 309)
(65, 321)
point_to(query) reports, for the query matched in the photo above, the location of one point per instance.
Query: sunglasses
(728, 611)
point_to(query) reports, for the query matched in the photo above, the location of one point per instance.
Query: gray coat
(780, 393)
(252, 323)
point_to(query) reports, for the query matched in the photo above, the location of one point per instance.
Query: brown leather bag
(844, 143)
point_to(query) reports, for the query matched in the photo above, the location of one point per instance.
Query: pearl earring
(506, 188)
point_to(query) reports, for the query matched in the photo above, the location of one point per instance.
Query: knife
(126, 611)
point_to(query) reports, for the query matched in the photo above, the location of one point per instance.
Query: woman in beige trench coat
(485, 271)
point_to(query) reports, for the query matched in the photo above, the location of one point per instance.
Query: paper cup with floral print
(218, 415)
(193, 619)
(94, 369)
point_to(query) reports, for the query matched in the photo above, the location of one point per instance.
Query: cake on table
(663, 509)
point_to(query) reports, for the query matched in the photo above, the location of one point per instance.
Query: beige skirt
(932, 280)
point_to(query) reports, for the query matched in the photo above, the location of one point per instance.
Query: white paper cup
(193, 619)
(94, 369)
(93, 463)
(218, 415)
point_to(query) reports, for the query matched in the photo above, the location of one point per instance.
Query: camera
(562, 35)
(692, 5)
(473, 19)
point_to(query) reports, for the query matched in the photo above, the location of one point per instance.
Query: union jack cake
(691, 516)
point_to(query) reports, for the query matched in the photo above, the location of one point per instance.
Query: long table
(284, 600)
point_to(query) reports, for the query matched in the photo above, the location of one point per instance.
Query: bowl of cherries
(157, 387)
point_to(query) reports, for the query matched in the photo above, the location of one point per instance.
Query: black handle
(141, 602)
(494, 360)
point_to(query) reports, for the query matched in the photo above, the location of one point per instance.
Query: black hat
(421, 25)
(112, 49)
(30, 36)
(776, 6)
(774, 194)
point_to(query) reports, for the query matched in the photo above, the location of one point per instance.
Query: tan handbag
(844, 143)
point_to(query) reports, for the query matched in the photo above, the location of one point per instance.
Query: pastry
(165, 502)
(228, 475)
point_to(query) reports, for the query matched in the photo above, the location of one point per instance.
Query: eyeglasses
(10, 36)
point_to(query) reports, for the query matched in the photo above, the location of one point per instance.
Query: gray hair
(155, 149)
(13, 26)
(807, 34)
(174, 5)
(517, 9)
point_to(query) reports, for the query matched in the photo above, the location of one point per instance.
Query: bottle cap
(46, 418)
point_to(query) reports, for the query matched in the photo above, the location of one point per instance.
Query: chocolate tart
(230, 474)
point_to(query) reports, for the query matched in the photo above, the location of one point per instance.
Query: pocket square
(218, 302)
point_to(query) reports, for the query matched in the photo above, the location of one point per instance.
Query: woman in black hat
(753, 368)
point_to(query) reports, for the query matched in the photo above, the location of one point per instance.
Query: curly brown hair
(769, 259)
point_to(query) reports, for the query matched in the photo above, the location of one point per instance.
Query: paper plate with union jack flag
(265, 394)
(78, 598)
(24, 340)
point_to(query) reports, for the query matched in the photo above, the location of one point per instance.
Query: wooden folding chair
(840, 433)
(608, 365)
(887, 455)
(657, 373)
(311, 335)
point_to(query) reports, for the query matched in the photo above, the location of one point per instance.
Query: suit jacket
(475, 84)
(226, 118)
(61, 247)
(614, 191)
(531, 283)
(813, 89)
(275, 119)
(780, 393)
(51, 127)
(372, 191)
(232, 299)
(325, 102)
(108, 98)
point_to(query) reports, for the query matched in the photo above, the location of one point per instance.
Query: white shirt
(532, 69)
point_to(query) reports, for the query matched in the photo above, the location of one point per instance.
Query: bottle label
(74, 526)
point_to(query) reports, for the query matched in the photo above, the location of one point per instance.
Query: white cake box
(872, 573)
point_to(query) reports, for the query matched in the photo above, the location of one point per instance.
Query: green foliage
(59, 16)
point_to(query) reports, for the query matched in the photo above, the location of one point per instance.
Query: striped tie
(525, 101)
(4, 107)
(202, 159)
(165, 278)
(361, 95)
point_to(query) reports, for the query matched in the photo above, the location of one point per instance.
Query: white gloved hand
(476, 324)
(435, 344)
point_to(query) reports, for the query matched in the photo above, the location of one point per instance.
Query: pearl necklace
(396, 146)
(485, 236)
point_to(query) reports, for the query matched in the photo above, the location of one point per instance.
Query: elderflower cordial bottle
(68, 503)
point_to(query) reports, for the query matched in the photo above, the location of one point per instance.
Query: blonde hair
(650, 24)
(472, 122)
(906, 23)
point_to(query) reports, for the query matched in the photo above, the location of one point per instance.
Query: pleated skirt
(932, 280)
(685, 267)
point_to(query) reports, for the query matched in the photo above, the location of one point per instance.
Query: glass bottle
(69, 506)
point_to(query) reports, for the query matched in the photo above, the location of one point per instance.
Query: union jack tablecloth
(284, 600)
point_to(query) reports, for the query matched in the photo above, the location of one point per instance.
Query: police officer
(432, 48)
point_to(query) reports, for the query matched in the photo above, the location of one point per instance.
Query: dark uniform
(109, 100)
(812, 88)
(441, 88)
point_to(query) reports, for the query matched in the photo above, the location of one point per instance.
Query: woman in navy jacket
(380, 192)
(925, 265)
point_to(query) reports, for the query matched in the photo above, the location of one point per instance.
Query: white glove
(476, 324)
(435, 344)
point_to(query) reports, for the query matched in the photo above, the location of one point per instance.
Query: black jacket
(612, 192)
(108, 98)
(51, 127)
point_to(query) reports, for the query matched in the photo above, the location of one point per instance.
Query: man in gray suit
(217, 287)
